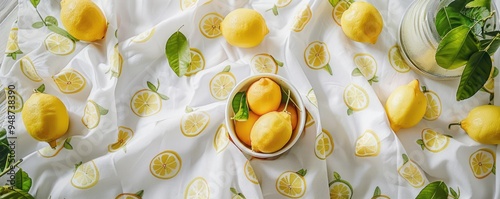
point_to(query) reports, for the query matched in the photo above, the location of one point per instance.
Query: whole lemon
(406, 106)
(482, 124)
(271, 132)
(244, 28)
(83, 19)
(45, 118)
(243, 128)
(362, 22)
(292, 111)
(263, 96)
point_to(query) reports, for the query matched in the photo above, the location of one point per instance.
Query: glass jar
(419, 39)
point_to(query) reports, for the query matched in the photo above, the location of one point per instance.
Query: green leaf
(492, 33)
(22, 180)
(11, 193)
(275, 10)
(421, 143)
(140, 193)
(456, 47)
(377, 192)
(51, 20)
(152, 87)
(4, 150)
(453, 193)
(405, 158)
(242, 114)
(38, 24)
(41, 88)
(302, 172)
(492, 43)
(279, 63)
(61, 31)
(233, 190)
(356, 72)
(67, 144)
(350, 111)
(494, 169)
(236, 101)
(476, 13)
(102, 110)
(459, 5)
(241, 195)
(434, 190)
(328, 69)
(495, 72)
(448, 18)
(475, 74)
(479, 3)
(336, 175)
(227, 68)
(178, 54)
(163, 97)
(35, 3)
(333, 2)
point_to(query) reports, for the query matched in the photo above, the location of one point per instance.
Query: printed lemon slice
(58, 44)
(29, 70)
(411, 173)
(311, 96)
(165, 165)
(92, 114)
(69, 81)
(222, 84)
(48, 152)
(323, 146)
(377, 194)
(292, 184)
(144, 36)
(339, 188)
(12, 45)
(197, 189)
(482, 163)
(13, 96)
(367, 144)
(355, 97)
(282, 3)
(433, 141)
(397, 61)
(433, 110)
(221, 138)
(338, 10)
(124, 135)
(194, 123)
(309, 119)
(145, 103)
(250, 173)
(366, 65)
(116, 63)
(264, 63)
(317, 56)
(302, 18)
(185, 4)
(137, 195)
(86, 175)
(210, 25)
(197, 62)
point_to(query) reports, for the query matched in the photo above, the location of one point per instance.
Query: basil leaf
(35, 3)
(242, 114)
(495, 43)
(236, 101)
(23, 181)
(448, 18)
(475, 74)
(434, 190)
(51, 20)
(178, 54)
(456, 47)
(479, 3)
(38, 24)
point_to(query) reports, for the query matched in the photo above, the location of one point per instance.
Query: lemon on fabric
(263, 96)
(244, 28)
(243, 128)
(83, 19)
(482, 124)
(45, 117)
(362, 22)
(406, 106)
(271, 132)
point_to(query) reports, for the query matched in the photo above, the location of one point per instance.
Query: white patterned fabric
(347, 146)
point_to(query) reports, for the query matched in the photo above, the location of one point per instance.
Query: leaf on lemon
(456, 47)
(242, 113)
(475, 75)
(22, 180)
(434, 190)
(178, 54)
(51, 20)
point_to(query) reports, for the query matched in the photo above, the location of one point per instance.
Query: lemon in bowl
(278, 121)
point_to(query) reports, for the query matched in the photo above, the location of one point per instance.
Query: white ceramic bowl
(301, 114)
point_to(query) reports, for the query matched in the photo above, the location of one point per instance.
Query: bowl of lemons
(264, 115)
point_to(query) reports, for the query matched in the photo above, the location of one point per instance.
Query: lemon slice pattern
(86, 175)
(434, 106)
(12, 45)
(58, 44)
(367, 66)
(210, 25)
(144, 36)
(482, 163)
(48, 152)
(165, 165)
(311, 96)
(282, 3)
(250, 173)
(292, 184)
(137, 195)
(264, 63)
(14, 96)
(301, 19)
(339, 188)
(397, 61)
(197, 189)
(433, 141)
(309, 119)
(317, 56)
(356, 98)
(323, 146)
(28, 69)
(197, 62)
(368, 144)
(222, 84)
(185, 4)
(411, 173)
(92, 114)
(124, 135)
(69, 81)
(221, 138)
(338, 10)
(193, 123)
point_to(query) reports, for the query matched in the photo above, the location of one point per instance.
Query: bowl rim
(293, 93)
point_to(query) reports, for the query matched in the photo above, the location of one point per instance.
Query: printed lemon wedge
(124, 135)
(221, 139)
(302, 18)
(222, 84)
(397, 61)
(18, 104)
(339, 188)
(292, 184)
(197, 62)
(193, 123)
(338, 10)
(28, 69)
(367, 144)
(411, 173)
(324, 145)
(85, 176)
(250, 173)
(197, 189)
(433, 141)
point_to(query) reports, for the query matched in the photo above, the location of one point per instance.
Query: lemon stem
(453, 124)
(39, 15)
(52, 144)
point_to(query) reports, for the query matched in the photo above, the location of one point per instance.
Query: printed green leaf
(275, 10)
(302, 172)
(279, 63)
(163, 97)
(456, 47)
(356, 72)
(233, 190)
(350, 111)
(475, 74)
(453, 193)
(405, 158)
(421, 143)
(336, 175)
(434, 190)
(35, 3)
(61, 31)
(448, 18)
(22, 180)
(227, 68)
(51, 20)
(41, 88)
(102, 110)
(242, 113)
(38, 24)
(67, 144)
(495, 72)
(178, 54)
(328, 69)
(140, 193)
(152, 87)
(377, 192)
